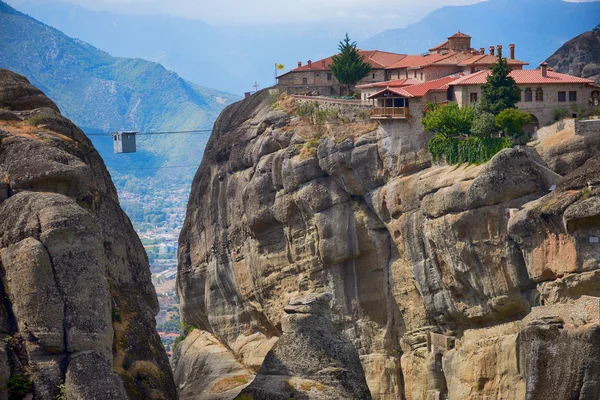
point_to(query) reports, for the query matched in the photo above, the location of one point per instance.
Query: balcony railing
(390, 112)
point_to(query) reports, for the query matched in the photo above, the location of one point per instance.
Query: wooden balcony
(390, 112)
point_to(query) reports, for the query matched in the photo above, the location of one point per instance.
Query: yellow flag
(279, 67)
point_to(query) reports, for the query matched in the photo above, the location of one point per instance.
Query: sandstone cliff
(77, 316)
(458, 282)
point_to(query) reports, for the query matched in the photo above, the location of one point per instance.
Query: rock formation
(311, 360)
(449, 281)
(580, 56)
(77, 317)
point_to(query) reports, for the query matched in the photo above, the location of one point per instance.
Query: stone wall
(347, 109)
(318, 82)
(582, 128)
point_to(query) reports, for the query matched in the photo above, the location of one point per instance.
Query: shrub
(578, 109)
(559, 113)
(448, 120)
(306, 110)
(512, 121)
(323, 115)
(116, 315)
(187, 329)
(37, 119)
(484, 125)
(19, 385)
(472, 150)
(597, 112)
(273, 96)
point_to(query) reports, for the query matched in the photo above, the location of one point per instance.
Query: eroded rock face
(77, 316)
(281, 208)
(311, 360)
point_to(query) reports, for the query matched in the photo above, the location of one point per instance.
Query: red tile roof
(422, 89)
(377, 59)
(392, 83)
(413, 61)
(488, 59)
(439, 46)
(459, 34)
(523, 77)
(434, 85)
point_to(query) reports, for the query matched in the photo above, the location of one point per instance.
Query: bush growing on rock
(512, 121)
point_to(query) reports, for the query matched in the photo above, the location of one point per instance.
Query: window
(421, 76)
(562, 96)
(305, 81)
(539, 94)
(329, 76)
(594, 98)
(406, 74)
(415, 74)
(528, 94)
(572, 96)
(373, 76)
(473, 97)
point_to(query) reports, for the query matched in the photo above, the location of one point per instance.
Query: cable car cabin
(124, 142)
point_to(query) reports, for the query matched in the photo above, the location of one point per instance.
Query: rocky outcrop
(77, 316)
(429, 266)
(311, 360)
(580, 56)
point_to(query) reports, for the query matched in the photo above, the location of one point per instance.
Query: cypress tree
(500, 90)
(349, 66)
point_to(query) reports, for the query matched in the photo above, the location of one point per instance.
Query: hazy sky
(384, 13)
(365, 15)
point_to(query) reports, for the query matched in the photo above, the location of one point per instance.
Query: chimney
(512, 51)
(499, 51)
(482, 51)
(309, 64)
(491, 50)
(299, 64)
(323, 63)
(544, 68)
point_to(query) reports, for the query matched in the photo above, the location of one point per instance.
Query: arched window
(595, 98)
(539, 94)
(528, 94)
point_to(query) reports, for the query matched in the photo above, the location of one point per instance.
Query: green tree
(349, 66)
(484, 125)
(512, 121)
(449, 120)
(500, 90)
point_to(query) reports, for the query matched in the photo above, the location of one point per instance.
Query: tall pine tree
(500, 90)
(349, 66)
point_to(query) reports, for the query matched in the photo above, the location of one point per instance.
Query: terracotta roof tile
(459, 34)
(440, 46)
(523, 77)
(436, 84)
(413, 61)
(488, 59)
(377, 59)
(392, 83)
(422, 89)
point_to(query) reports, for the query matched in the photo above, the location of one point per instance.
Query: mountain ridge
(495, 22)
